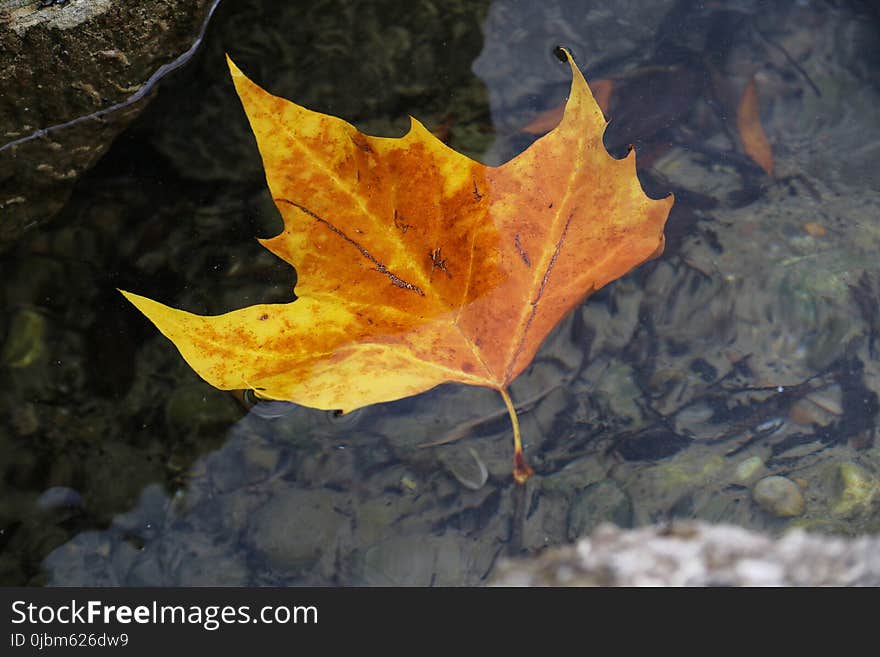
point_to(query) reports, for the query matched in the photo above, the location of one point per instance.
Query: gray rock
(699, 554)
(856, 491)
(25, 342)
(198, 559)
(748, 468)
(296, 528)
(59, 497)
(415, 561)
(83, 562)
(602, 502)
(199, 408)
(779, 496)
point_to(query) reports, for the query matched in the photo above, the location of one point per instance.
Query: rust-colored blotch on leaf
(415, 264)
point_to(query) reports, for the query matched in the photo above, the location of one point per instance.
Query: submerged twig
(791, 60)
(466, 428)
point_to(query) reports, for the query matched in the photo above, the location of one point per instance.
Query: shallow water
(748, 350)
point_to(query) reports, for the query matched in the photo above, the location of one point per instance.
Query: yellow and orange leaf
(415, 264)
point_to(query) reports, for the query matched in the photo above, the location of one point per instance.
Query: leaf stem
(521, 469)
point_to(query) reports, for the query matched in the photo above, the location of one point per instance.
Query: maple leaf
(415, 264)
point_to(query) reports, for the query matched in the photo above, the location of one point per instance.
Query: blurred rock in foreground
(699, 554)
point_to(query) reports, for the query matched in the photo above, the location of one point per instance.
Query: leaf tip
(233, 69)
(239, 79)
(581, 95)
(128, 295)
(565, 56)
(562, 54)
(151, 309)
(136, 300)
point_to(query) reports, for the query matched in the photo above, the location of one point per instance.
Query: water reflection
(748, 351)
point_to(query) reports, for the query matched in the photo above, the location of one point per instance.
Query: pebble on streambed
(779, 496)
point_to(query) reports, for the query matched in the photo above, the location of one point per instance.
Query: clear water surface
(749, 350)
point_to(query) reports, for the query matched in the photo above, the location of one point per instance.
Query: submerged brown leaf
(751, 131)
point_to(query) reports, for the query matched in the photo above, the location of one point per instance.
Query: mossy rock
(60, 63)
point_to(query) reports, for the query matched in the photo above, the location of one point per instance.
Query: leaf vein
(382, 269)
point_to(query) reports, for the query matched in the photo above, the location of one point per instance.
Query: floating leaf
(415, 264)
